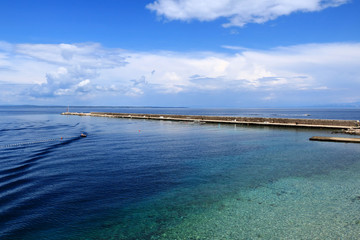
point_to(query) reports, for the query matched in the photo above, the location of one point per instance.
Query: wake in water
(18, 131)
(63, 140)
(17, 168)
(19, 190)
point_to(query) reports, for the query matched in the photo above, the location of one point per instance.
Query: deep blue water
(141, 179)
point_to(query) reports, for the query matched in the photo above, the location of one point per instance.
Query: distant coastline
(84, 106)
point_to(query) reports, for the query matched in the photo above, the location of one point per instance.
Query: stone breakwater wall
(289, 122)
(335, 139)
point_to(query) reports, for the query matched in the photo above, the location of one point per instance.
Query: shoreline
(277, 122)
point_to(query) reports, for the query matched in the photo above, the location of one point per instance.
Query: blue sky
(195, 53)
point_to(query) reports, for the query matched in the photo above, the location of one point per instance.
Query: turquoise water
(140, 179)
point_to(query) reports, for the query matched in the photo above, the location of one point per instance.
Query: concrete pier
(281, 122)
(335, 139)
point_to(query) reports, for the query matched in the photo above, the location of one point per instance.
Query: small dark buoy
(83, 135)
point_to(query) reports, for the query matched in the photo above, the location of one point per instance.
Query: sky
(180, 53)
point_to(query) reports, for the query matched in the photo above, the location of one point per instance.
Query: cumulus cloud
(66, 81)
(92, 71)
(238, 12)
(56, 70)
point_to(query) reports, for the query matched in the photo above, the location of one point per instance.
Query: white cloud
(238, 12)
(84, 83)
(91, 71)
(92, 55)
(58, 69)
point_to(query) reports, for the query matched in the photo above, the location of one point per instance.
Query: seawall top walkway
(283, 122)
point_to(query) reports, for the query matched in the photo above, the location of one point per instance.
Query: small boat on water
(83, 135)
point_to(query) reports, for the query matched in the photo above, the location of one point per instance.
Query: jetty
(278, 122)
(335, 139)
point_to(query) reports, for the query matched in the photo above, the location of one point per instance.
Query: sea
(148, 179)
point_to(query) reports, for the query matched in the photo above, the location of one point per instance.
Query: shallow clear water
(141, 179)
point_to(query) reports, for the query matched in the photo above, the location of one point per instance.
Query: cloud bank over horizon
(237, 12)
(91, 73)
